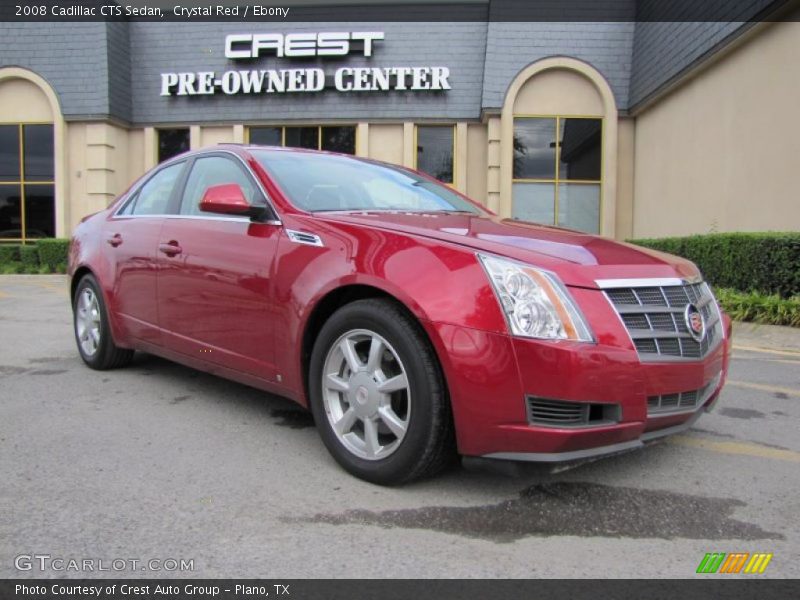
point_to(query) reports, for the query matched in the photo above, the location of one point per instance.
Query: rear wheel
(378, 396)
(92, 333)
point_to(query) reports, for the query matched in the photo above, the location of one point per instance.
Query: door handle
(115, 240)
(170, 248)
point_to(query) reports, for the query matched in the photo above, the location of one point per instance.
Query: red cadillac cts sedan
(414, 323)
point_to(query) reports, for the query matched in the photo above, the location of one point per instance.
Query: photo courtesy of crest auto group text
(331, 299)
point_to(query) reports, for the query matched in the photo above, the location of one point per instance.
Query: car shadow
(257, 403)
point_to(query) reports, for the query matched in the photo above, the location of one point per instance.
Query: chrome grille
(654, 318)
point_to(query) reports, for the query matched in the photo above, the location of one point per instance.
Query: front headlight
(535, 302)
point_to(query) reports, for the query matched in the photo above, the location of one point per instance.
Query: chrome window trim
(200, 218)
(606, 284)
(199, 154)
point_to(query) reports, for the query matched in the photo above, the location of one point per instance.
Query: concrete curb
(768, 337)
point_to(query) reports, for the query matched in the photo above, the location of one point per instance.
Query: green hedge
(44, 256)
(29, 257)
(760, 308)
(759, 262)
(9, 253)
(52, 252)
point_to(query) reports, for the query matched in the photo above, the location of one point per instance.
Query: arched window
(27, 162)
(558, 147)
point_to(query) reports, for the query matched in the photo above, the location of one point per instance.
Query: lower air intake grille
(562, 413)
(682, 401)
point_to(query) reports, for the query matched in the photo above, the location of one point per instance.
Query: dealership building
(627, 127)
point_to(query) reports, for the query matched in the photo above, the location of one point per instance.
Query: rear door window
(153, 197)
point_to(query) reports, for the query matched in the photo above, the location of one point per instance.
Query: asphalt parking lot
(157, 461)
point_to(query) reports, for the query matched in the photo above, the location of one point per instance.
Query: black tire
(107, 354)
(428, 445)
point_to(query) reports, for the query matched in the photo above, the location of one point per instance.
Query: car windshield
(326, 182)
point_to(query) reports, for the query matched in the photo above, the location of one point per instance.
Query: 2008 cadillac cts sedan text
(412, 322)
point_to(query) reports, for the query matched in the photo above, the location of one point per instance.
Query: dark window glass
(9, 153)
(580, 149)
(172, 142)
(339, 139)
(40, 211)
(38, 152)
(302, 137)
(210, 171)
(534, 148)
(265, 136)
(435, 152)
(10, 211)
(153, 198)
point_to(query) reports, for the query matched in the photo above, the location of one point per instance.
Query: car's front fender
(437, 282)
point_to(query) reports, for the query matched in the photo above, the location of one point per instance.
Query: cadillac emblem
(695, 322)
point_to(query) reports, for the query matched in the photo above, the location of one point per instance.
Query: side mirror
(225, 199)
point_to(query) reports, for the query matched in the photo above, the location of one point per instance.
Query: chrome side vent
(303, 237)
(562, 413)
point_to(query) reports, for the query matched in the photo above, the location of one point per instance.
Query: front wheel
(378, 396)
(92, 332)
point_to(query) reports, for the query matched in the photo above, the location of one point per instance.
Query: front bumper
(599, 451)
(490, 375)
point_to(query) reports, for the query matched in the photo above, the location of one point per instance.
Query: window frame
(22, 181)
(319, 127)
(557, 181)
(416, 149)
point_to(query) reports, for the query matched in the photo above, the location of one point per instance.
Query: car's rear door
(132, 236)
(214, 296)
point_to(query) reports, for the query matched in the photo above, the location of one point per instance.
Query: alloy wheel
(87, 322)
(366, 394)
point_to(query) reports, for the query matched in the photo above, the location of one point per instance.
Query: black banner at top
(294, 11)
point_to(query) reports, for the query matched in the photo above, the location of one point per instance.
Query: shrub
(760, 262)
(11, 268)
(29, 257)
(760, 308)
(9, 253)
(52, 252)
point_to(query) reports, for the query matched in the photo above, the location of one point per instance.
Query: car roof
(288, 150)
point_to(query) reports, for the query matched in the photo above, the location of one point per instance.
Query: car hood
(580, 259)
